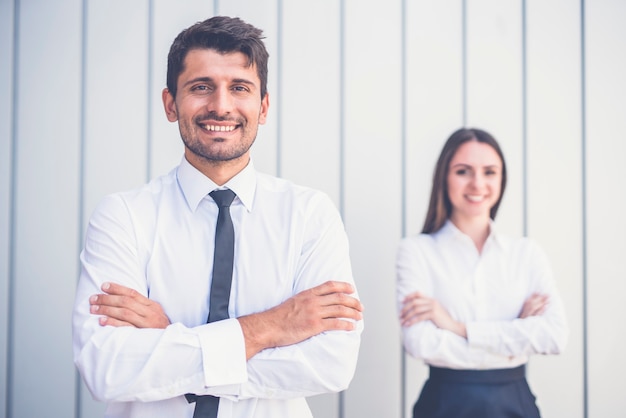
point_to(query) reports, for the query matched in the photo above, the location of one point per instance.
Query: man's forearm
(326, 307)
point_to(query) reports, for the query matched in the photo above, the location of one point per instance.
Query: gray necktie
(206, 406)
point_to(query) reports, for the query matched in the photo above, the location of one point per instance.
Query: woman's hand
(418, 307)
(535, 305)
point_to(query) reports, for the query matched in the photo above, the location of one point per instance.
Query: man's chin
(215, 157)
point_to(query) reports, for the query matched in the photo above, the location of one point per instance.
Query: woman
(474, 304)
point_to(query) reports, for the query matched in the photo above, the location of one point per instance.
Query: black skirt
(499, 393)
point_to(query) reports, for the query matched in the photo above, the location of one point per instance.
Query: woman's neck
(476, 228)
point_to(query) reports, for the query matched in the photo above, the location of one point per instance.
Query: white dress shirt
(159, 240)
(486, 292)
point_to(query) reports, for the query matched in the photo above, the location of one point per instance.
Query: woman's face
(474, 181)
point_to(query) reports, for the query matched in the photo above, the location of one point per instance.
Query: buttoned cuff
(223, 353)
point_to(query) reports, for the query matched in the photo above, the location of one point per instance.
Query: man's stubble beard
(205, 151)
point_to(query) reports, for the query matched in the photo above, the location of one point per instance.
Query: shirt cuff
(223, 353)
(479, 334)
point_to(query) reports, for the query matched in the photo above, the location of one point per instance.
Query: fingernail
(105, 286)
(93, 299)
(94, 308)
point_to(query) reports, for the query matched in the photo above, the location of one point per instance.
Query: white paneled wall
(116, 98)
(605, 123)
(45, 205)
(363, 94)
(311, 140)
(372, 194)
(554, 175)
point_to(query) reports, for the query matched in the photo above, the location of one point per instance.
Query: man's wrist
(255, 334)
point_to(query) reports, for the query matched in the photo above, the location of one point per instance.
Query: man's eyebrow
(198, 80)
(244, 81)
(209, 80)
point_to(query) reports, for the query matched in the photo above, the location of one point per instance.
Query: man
(292, 329)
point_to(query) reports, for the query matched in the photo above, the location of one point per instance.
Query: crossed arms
(127, 350)
(311, 312)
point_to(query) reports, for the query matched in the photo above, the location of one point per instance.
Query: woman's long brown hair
(440, 207)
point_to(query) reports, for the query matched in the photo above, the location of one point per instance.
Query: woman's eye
(461, 172)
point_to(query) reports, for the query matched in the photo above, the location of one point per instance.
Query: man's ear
(169, 103)
(265, 105)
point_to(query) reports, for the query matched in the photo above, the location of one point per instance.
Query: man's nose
(220, 102)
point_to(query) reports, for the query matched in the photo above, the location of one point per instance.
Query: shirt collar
(450, 230)
(196, 186)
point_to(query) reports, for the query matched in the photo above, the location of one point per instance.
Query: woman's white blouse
(486, 292)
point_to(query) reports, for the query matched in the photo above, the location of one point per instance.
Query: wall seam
(583, 82)
(342, 135)
(279, 90)
(403, 177)
(81, 170)
(464, 61)
(149, 95)
(524, 122)
(12, 211)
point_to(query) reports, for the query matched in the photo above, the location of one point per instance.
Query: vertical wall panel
(434, 95)
(116, 98)
(554, 173)
(310, 116)
(494, 92)
(116, 83)
(46, 207)
(373, 195)
(6, 178)
(310, 99)
(170, 17)
(433, 111)
(606, 204)
(264, 15)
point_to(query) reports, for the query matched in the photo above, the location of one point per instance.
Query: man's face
(218, 107)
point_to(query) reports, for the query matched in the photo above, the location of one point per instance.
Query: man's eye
(240, 88)
(200, 88)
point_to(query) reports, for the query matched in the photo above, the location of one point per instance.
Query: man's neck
(220, 172)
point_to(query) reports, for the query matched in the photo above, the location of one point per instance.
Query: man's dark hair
(225, 35)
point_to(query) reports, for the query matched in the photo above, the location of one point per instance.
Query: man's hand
(121, 306)
(535, 305)
(419, 307)
(323, 308)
